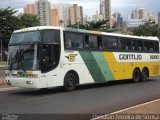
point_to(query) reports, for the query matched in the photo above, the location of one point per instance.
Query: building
(63, 12)
(43, 10)
(30, 9)
(75, 14)
(54, 17)
(159, 20)
(117, 20)
(135, 14)
(139, 13)
(153, 17)
(101, 6)
(97, 16)
(132, 23)
(105, 10)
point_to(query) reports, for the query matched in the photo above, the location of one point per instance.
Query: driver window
(50, 57)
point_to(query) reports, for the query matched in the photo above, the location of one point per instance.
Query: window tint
(99, 38)
(129, 44)
(156, 46)
(51, 36)
(148, 46)
(73, 40)
(110, 43)
(91, 41)
(122, 44)
(140, 45)
(22, 37)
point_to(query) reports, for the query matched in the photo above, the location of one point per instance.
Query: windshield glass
(25, 37)
(22, 57)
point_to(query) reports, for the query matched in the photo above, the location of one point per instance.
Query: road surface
(86, 99)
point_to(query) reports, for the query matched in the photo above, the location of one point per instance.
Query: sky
(91, 6)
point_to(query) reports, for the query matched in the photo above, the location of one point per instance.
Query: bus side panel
(97, 67)
(74, 61)
(118, 69)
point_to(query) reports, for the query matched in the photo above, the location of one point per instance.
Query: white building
(105, 9)
(42, 8)
(97, 16)
(131, 23)
(139, 13)
(63, 12)
(75, 14)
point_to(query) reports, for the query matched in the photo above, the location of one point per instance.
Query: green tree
(28, 20)
(8, 23)
(97, 25)
(100, 25)
(146, 30)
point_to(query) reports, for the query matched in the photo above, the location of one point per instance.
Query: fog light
(8, 82)
(29, 82)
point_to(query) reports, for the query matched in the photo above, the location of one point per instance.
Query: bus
(49, 56)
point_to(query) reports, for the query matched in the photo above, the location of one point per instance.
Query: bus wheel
(144, 74)
(69, 81)
(136, 75)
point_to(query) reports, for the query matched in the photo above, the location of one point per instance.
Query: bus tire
(144, 74)
(136, 75)
(70, 81)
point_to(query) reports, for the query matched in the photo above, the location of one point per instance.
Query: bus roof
(85, 31)
(36, 28)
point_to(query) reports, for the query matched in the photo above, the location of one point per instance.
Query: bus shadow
(60, 90)
(112, 83)
(39, 92)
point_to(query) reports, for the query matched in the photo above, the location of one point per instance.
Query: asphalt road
(86, 99)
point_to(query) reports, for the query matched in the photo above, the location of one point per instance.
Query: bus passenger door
(49, 61)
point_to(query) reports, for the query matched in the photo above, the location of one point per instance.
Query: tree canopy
(28, 20)
(146, 30)
(9, 22)
(99, 25)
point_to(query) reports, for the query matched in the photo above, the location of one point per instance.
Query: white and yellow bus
(45, 56)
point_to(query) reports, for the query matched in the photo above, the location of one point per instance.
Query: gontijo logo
(71, 57)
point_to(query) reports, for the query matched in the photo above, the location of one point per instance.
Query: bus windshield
(22, 57)
(25, 37)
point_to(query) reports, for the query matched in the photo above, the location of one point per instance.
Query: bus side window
(132, 45)
(151, 46)
(73, 41)
(86, 41)
(151, 49)
(140, 45)
(91, 42)
(145, 45)
(156, 46)
(68, 43)
(99, 38)
(122, 44)
(128, 44)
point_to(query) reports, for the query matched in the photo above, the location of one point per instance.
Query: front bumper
(24, 82)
